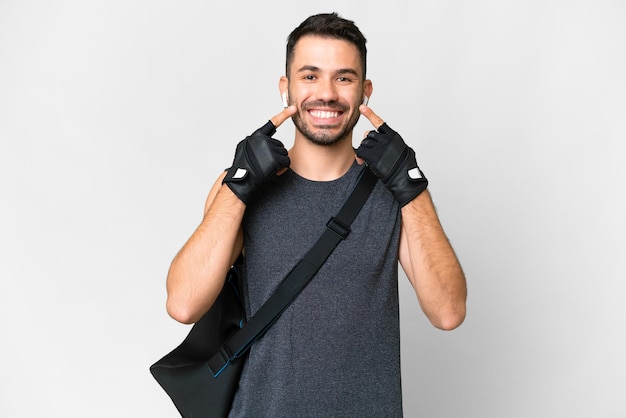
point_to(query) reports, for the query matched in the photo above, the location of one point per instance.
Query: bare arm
(196, 275)
(425, 252)
(431, 265)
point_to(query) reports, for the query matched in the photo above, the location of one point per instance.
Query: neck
(321, 162)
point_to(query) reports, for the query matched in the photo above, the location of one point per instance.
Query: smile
(324, 114)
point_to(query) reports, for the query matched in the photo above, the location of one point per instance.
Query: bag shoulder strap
(337, 229)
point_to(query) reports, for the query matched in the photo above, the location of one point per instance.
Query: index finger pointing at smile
(283, 116)
(374, 119)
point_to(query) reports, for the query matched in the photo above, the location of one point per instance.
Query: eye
(309, 77)
(344, 79)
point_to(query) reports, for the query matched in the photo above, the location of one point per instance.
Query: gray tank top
(335, 352)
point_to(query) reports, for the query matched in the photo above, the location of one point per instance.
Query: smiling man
(336, 350)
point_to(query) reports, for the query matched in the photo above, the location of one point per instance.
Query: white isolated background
(117, 116)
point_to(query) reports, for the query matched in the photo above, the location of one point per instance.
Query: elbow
(179, 312)
(449, 319)
(449, 313)
(450, 322)
(180, 304)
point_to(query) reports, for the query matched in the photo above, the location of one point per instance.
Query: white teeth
(322, 114)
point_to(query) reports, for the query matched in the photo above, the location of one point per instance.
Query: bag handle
(337, 229)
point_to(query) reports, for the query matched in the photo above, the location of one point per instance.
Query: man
(335, 351)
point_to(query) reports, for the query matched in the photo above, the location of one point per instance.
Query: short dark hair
(328, 25)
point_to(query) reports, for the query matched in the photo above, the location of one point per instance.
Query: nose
(327, 91)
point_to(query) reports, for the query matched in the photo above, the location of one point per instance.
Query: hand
(258, 158)
(386, 153)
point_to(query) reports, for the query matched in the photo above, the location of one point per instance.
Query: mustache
(328, 105)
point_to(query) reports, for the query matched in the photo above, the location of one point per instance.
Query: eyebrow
(309, 68)
(315, 69)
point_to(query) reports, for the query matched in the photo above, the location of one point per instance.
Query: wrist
(230, 194)
(408, 181)
(419, 203)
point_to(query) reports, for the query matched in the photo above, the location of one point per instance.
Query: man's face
(326, 85)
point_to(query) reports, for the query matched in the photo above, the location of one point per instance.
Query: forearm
(431, 264)
(196, 275)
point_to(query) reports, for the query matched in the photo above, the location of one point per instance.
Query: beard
(323, 134)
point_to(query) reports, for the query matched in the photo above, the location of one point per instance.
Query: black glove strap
(337, 229)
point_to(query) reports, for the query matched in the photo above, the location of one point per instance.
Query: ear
(368, 88)
(283, 86)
